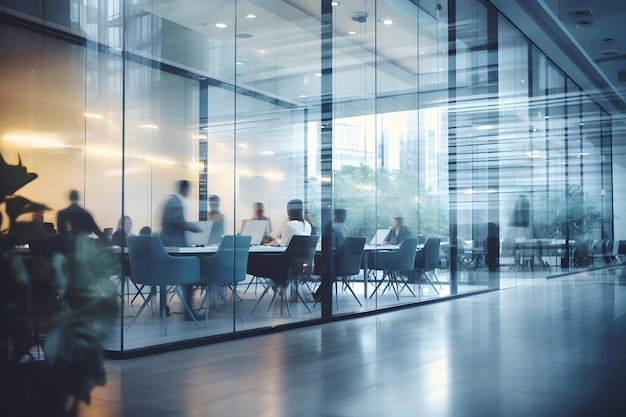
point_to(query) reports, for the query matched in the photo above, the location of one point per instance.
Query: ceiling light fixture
(387, 22)
(250, 16)
(221, 25)
(334, 3)
(352, 32)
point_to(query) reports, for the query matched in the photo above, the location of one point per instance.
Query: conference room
(490, 199)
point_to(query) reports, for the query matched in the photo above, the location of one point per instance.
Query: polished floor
(553, 348)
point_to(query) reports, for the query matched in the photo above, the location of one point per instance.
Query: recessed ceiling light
(250, 16)
(221, 25)
(238, 63)
(387, 22)
(318, 74)
(352, 32)
(334, 3)
(302, 96)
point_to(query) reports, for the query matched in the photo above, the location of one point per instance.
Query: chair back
(300, 253)
(431, 253)
(230, 262)
(151, 265)
(405, 256)
(348, 257)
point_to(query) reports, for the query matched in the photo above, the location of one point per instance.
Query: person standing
(174, 226)
(75, 220)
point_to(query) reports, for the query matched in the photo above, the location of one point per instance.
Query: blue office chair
(348, 262)
(426, 260)
(152, 266)
(283, 268)
(226, 267)
(393, 264)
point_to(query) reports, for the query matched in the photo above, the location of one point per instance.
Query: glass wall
(489, 154)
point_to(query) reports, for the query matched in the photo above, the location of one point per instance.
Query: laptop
(379, 237)
(202, 238)
(256, 229)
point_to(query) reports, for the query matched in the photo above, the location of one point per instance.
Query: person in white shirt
(295, 226)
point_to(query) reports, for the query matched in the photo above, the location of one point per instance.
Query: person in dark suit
(174, 226)
(75, 220)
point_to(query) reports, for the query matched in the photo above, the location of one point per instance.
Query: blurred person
(258, 213)
(397, 233)
(124, 226)
(296, 225)
(74, 220)
(216, 216)
(37, 217)
(174, 226)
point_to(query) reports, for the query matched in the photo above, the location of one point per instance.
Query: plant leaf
(18, 205)
(13, 177)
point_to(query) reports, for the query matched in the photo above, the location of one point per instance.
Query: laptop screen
(256, 229)
(202, 238)
(379, 237)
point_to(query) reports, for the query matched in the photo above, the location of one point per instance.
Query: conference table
(368, 250)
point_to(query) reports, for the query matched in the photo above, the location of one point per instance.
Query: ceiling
(587, 40)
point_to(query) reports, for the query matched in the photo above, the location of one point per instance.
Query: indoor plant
(57, 306)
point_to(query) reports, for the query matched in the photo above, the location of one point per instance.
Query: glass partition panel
(355, 108)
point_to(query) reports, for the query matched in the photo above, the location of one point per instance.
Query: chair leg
(222, 294)
(267, 288)
(429, 281)
(345, 281)
(145, 303)
(377, 285)
(182, 299)
(405, 284)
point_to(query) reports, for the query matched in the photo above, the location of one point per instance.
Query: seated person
(217, 217)
(145, 231)
(37, 218)
(397, 233)
(296, 225)
(339, 233)
(339, 230)
(258, 214)
(124, 226)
